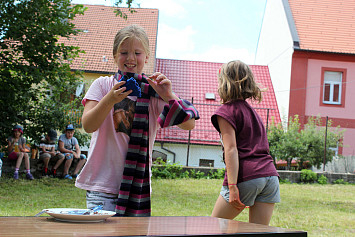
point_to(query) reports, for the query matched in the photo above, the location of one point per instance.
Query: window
(206, 163)
(332, 87)
(210, 96)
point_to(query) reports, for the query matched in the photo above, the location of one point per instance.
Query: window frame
(342, 88)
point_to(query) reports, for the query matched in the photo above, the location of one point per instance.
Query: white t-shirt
(109, 144)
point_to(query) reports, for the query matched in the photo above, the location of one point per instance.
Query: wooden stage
(139, 226)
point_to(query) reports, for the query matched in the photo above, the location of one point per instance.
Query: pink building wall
(313, 92)
(306, 94)
(313, 96)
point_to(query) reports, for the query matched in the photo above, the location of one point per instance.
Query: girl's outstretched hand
(234, 199)
(118, 93)
(162, 85)
(96, 112)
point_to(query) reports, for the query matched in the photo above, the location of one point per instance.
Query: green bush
(308, 176)
(285, 181)
(83, 138)
(162, 173)
(218, 174)
(340, 181)
(196, 175)
(185, 175)
(322, 179)
(166, 170)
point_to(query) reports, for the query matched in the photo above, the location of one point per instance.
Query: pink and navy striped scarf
(134, 194)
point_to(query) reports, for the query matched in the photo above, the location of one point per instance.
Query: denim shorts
(265, 189)
(107, 200)
(69, 156)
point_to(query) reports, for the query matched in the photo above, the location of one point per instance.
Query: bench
(36, 166)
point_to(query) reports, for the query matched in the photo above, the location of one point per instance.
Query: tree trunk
(289, 160)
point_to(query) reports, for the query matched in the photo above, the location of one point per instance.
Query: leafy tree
(119, 12)
(313, 136)
(35, 75)
(285, 145)
(304, 145)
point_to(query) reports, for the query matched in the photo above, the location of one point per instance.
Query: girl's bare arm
(96, 112)
(162, 85)
(232, 161)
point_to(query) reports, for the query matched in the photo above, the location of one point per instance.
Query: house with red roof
(191, 80)
(309, 47)
(197, 81)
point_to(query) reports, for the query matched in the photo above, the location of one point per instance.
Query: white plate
(65, 214)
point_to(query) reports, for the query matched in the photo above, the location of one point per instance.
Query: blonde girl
(116, 174)
(251, 178)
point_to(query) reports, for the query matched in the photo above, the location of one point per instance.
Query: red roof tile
(101, 24)
(325, 25)
(193, 79)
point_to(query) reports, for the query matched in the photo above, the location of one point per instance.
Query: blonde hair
(131, 31)
(236, 81)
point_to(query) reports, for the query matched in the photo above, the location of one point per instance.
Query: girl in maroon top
(251, 178)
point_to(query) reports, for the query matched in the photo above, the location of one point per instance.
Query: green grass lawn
(321, 210)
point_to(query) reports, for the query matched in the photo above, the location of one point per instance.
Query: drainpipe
(161, 146)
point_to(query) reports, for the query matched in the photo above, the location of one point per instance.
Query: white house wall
(196, 153)
(275, 49)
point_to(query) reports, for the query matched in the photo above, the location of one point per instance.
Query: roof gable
(100, 25)
(325, 25)
(193, 79)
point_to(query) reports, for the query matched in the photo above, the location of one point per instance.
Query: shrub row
(165, 170)
(308, 176)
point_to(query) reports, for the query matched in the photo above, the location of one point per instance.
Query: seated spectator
(47, 151)
(17, 151)
(69, 146)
